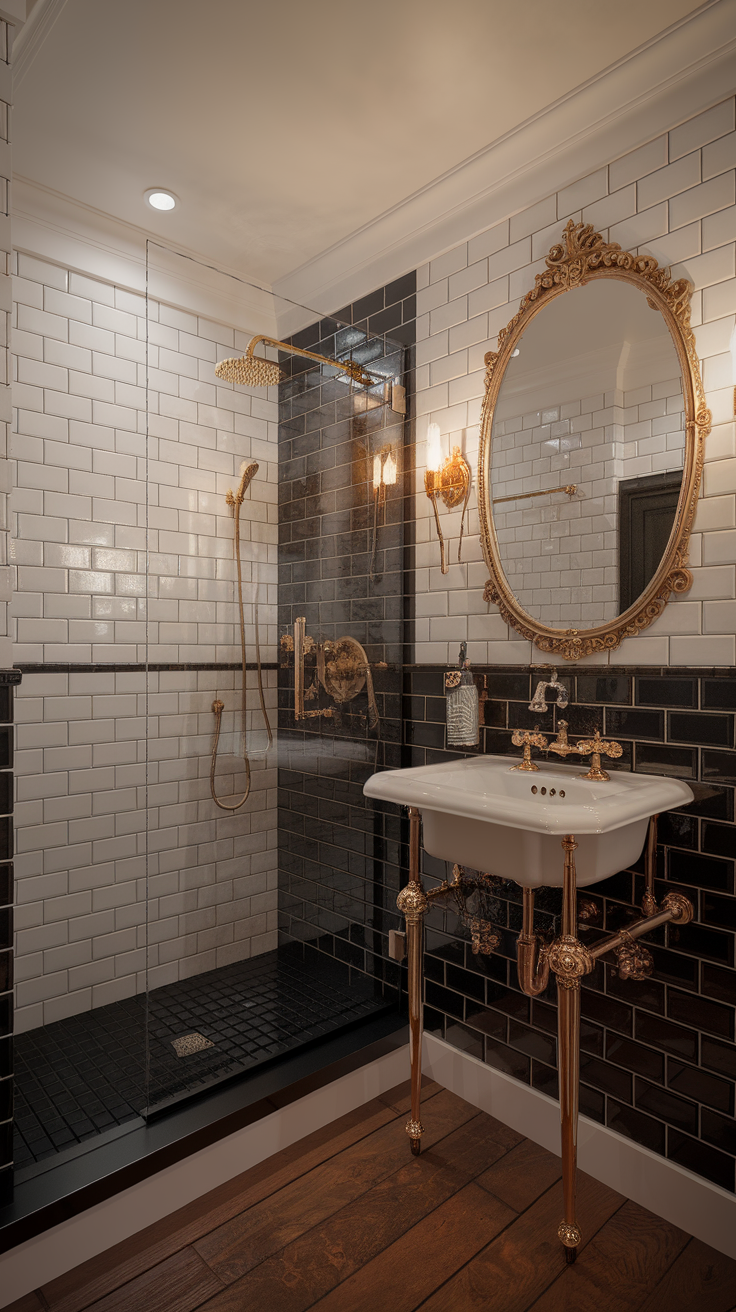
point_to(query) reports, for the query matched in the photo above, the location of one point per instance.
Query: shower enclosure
(172, 931)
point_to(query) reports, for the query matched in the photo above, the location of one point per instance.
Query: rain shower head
(249, 371)
(254, 371)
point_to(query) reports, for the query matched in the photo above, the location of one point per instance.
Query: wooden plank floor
(347, 1221)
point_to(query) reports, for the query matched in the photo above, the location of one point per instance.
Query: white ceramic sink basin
(490, 817)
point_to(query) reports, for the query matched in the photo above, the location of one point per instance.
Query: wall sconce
(385, 474)
(448, 479)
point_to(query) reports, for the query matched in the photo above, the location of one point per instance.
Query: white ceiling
(285, 127)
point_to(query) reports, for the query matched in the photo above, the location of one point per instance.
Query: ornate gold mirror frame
(581, 256)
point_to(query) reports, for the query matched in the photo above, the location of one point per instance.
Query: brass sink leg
(568, 1057)
(649, 901)
(412, 901)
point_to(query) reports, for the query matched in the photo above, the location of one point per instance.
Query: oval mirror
(591, 449)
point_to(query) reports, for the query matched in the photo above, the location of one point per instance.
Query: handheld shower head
(247, 472)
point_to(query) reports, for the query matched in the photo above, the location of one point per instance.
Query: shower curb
(53, 1199)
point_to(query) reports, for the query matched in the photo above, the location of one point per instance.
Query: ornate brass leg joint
(413, 903)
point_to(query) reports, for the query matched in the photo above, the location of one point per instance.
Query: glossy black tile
(719, 1130)
(634, 723)
(719, 694)
(677, 830)
(659, 1033)
(645, 1130)
(646, 993)
(720, 840)
(701, 728)
(700, 1013)
(666, 1106)
(400, 288)
(607, 1011)
(541, 1047)
(719, 911)
(488, 1022)
(666, 692)
(599, 688)
(702, 942)
(711, 800)
(506, 1059)
(701, 871)
(718, 1056)
(463, 1037)
(368, 305)
(719, 984)
(657, 758)
(696, 1156)
(635, 1057)
(606, 1077)
(699, 1086)
(719, 766)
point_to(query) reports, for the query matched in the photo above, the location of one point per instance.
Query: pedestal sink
(526, 823)
(483, 813)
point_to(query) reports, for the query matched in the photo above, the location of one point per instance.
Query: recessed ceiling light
(159, 199)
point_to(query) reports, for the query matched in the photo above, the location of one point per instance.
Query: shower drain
(190, 1043)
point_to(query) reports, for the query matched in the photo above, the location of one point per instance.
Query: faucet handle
(597, 747)
(527, 739)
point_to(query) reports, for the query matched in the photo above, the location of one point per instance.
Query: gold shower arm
(350, 367)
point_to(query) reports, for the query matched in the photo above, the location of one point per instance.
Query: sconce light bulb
(389, 469)
(377, 470)
(434, 447)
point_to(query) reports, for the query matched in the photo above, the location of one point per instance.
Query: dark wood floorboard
(701, 1277)
(348, 1221)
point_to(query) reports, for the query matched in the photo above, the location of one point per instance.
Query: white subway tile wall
(560, 551)
(91, 497)
(673, 199)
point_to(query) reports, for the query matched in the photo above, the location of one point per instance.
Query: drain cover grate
(190, 1043)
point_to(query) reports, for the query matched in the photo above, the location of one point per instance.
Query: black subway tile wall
(658, 1057)
(6, 932)
(339, 860)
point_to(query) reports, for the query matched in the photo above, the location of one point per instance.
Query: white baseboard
(696, 1206)
(64, 1246)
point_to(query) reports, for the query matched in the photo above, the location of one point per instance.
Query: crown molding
(681, 72)
(32, 34)
(87, 241)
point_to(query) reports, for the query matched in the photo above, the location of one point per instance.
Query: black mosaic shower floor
(87, 1074)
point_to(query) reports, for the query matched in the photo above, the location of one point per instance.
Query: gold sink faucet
(560, 745)
(593, 747)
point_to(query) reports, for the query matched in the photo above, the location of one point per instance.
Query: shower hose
(219, 706)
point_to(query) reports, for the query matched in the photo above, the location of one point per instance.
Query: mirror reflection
(587, 454)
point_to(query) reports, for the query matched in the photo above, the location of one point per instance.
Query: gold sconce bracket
(451, 485)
